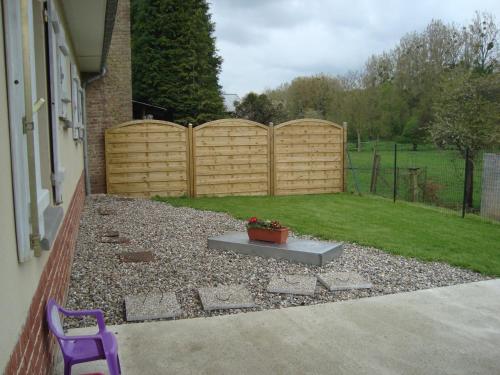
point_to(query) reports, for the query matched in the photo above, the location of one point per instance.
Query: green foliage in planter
(254, 222)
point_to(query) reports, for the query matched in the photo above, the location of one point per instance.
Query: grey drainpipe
(85, 83)
(109, 22)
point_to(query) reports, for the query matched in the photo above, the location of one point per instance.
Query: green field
(441, 171)
(413, 230)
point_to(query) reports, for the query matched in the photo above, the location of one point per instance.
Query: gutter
(29, 130)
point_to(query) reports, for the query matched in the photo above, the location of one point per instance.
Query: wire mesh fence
(424, 174)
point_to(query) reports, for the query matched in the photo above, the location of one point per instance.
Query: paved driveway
(451, 330)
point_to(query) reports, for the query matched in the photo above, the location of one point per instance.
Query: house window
(76, 104)
(58, 65)
(63, 81)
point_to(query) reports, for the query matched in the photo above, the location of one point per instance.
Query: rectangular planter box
(276, 236)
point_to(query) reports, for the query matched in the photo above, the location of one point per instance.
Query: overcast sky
(268, 42)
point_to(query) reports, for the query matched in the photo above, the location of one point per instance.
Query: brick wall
(34, 351)
(109, 100)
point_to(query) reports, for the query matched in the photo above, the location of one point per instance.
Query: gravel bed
(182, 262)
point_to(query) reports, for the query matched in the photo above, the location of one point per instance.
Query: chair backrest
(54, 319)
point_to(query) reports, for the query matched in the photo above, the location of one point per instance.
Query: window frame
(55, 31)
(76, 104)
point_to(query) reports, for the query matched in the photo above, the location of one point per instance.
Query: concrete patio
(450, 330)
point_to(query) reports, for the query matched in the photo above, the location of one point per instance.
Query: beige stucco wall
(19, 281)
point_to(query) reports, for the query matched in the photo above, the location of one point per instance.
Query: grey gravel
(334, 281)
(183, 263)
(293, 284)
(226, 297)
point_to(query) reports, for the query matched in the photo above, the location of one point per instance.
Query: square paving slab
(344, 281)
(105, 211)
(151, 306)
(226, 297)
(136, 256)
(293, 284)
(317, 253)
(122, 240)
(111, 233)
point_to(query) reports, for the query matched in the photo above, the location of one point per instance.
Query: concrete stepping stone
(226, 297)
(151, 306)
(343, 281)
(124, 199)
(105, 211)
(293, 284)
(136, 256)
(121, 240)
(111, 233)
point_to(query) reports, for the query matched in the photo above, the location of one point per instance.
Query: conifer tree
(175, 64)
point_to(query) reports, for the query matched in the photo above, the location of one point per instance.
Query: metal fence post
(394, 187)
(466, 177)
(354, 176)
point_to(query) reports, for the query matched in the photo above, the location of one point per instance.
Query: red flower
(252, 220)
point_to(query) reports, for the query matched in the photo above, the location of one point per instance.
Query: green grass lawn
(411, 230)
(443, 168)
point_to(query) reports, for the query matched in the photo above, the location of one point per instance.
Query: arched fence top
(302, 120)
(144, 122)
(230, 121)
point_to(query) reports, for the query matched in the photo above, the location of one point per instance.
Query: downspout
(85, 83)
(29, 129)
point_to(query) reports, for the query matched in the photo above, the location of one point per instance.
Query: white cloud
(268, 42)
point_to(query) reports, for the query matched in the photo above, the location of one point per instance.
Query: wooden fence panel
(231, 157)
(308, 157)
(225, 157)
(490, 195)
(146, 158)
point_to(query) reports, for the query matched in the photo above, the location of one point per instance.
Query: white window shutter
(75, 118)
(81, 111)
(18, 141)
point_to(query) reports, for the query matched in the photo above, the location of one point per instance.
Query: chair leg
(113, 365)
(67, 368)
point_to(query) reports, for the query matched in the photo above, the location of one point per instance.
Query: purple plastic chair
(78, 349)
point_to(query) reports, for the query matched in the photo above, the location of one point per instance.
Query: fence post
(375, 172)
(394, 187)
(271, 169)
(354, 177)
(413, 184)
(344, 156)
(190, 160)
(466, 177)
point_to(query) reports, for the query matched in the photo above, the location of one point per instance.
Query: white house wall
(19, 280)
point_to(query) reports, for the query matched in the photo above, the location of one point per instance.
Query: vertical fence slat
(271, 159)
(190, 158)
(193, 164)
(344, 158)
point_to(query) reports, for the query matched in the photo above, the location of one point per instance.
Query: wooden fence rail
(225, 157)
